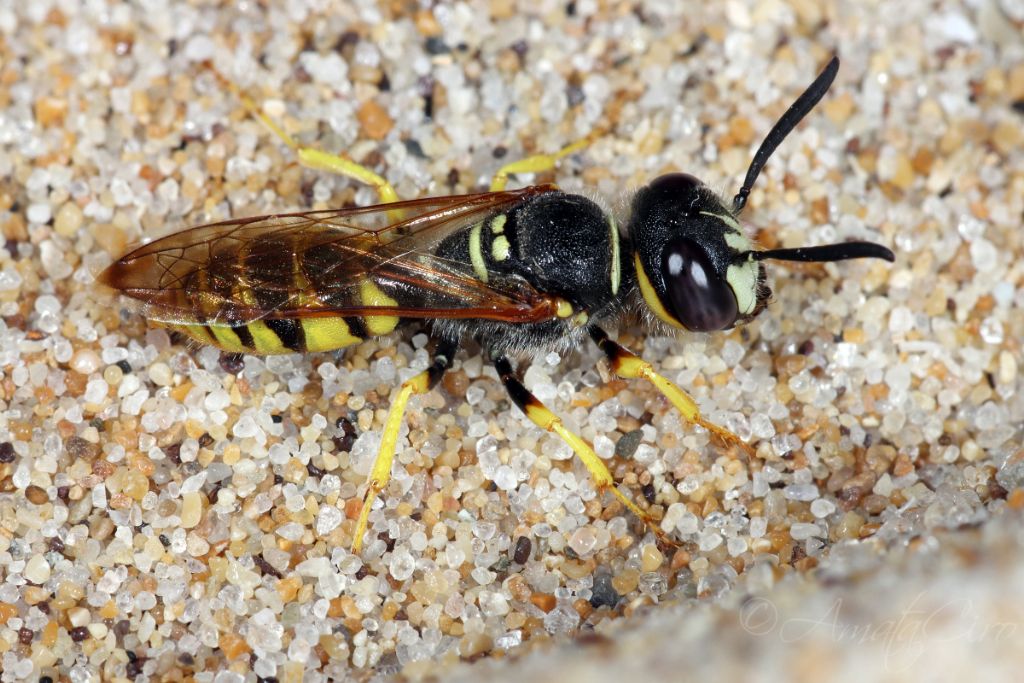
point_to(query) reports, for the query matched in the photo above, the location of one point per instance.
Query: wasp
(517, 270)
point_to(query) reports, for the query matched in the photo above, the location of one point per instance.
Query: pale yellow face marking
(742, 279)
(580, 319)
(737, 241)
(725, 218)
(498, 223)
(476, 256)
(500, 248)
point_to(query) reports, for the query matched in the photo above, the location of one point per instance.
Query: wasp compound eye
(699, 298)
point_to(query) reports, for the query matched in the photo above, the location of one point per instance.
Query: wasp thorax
(569, 246)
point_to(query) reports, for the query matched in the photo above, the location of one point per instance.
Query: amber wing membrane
(314, 263)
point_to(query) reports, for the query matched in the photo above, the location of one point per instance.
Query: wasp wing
(314, 263)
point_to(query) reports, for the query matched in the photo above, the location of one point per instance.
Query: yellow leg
(380, 475)
(541, 416)
(538, 162)
(628, 365)
(314, 158)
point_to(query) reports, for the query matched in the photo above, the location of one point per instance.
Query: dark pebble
(343, 441)
(602, 593)
(212, 495)
(265, 566)
(25, 635)
(436, 46)
(231, 363)
(522, 552)
(173, 453)
(650, 495)
(575, 95)
(414, 148)
(79, 633)
(627, 445)
(6, 452)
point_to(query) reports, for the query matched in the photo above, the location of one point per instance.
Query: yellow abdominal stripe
(227, 339)
(197, 332)
(372, 296)
(327, 334)
(318, 333)
(265, 340)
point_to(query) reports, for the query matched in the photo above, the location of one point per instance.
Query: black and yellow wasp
(518, 270)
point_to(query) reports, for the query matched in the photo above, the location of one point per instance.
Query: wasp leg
(538, 162)
(381, 472)
(541, 416)
(627, 364)
(311, 157)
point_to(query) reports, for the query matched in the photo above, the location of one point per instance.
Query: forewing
(315, 263)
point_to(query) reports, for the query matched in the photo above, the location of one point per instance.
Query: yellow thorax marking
(563, 309)
(498, 223)
(500, 248)
(616, 265)
(476, 256)
(725, 218)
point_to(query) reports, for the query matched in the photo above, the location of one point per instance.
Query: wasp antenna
(783, 127)
(841, 251)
